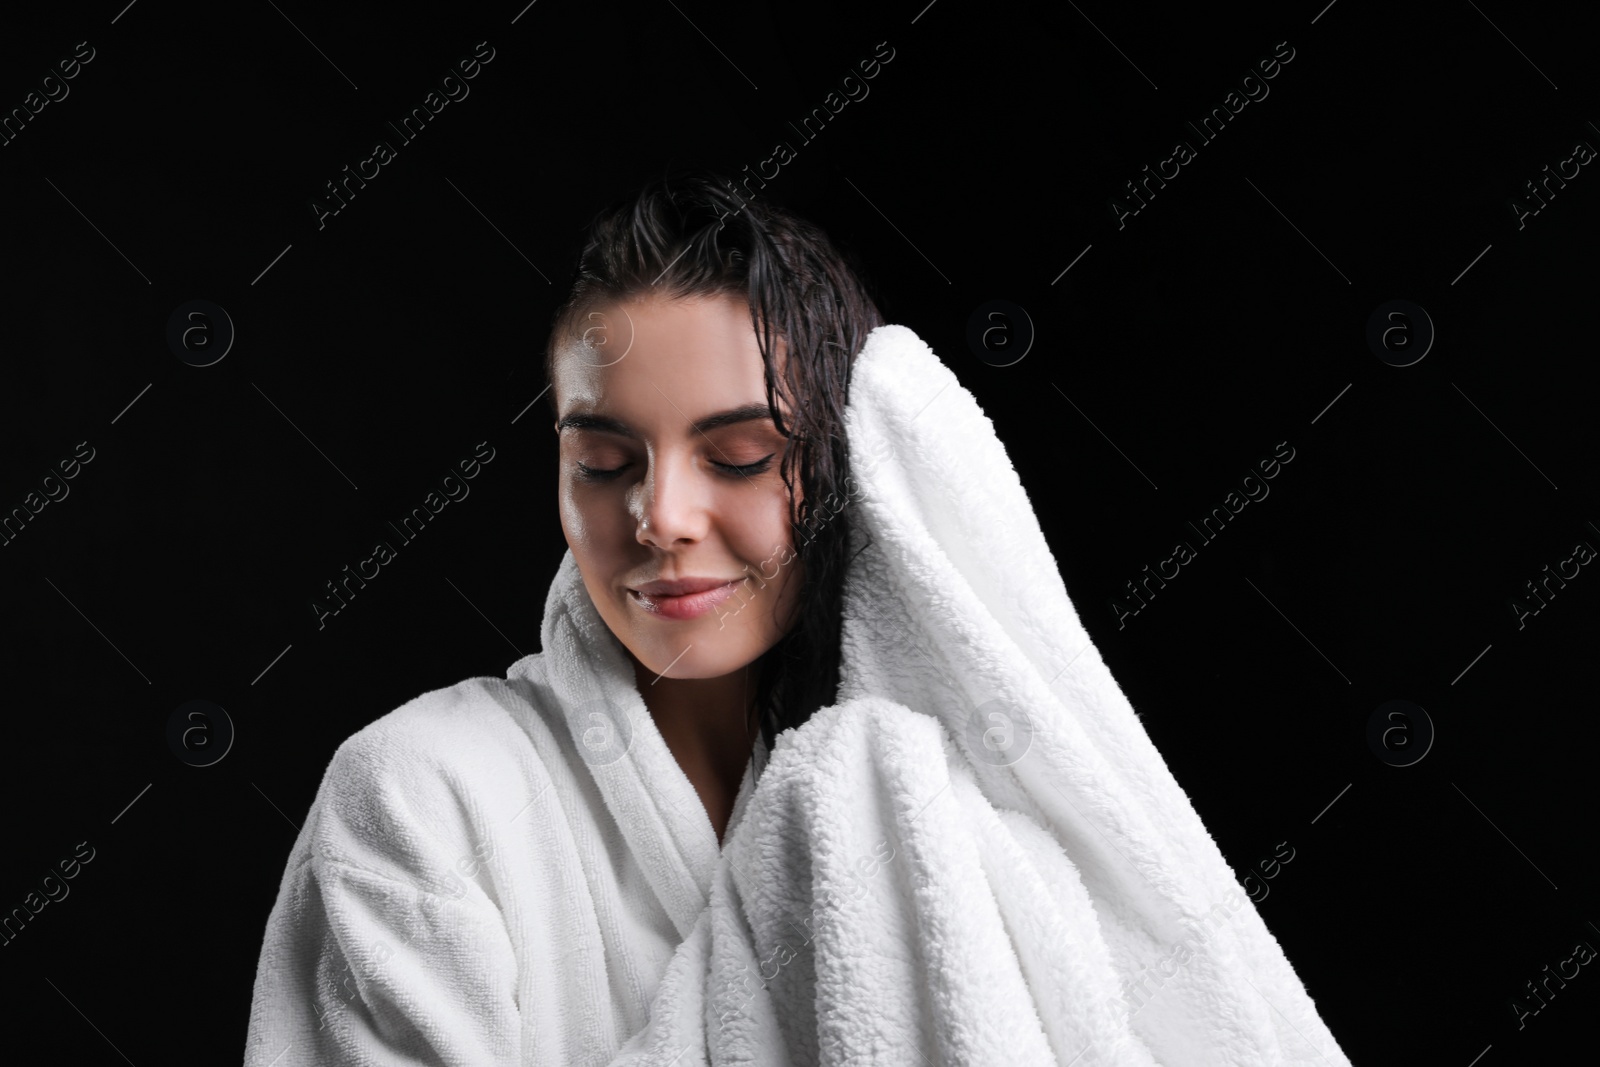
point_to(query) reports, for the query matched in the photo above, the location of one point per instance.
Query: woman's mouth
(688, 606)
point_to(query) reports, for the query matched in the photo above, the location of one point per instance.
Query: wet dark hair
(691, 235)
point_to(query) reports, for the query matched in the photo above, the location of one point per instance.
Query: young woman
(498, 872)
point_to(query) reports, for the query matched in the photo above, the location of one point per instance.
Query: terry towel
(977, 855)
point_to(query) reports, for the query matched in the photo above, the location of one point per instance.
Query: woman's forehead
(698, 351)
(666, 324)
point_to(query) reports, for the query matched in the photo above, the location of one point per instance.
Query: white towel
(977, 856)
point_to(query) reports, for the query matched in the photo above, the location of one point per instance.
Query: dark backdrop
(1440, 861)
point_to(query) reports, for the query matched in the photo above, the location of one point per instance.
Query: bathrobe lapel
(653, 802)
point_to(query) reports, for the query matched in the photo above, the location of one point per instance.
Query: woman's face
(648, 395)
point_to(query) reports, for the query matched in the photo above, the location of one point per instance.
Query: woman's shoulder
(458, 720)
(481, 721)
(439, 772)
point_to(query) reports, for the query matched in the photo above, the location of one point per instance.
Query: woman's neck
(710, 727)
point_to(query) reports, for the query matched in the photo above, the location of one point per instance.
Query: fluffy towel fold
(977, 856)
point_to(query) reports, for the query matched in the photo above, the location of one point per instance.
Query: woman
(497, 872)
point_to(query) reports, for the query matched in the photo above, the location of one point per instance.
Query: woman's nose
(672, 507)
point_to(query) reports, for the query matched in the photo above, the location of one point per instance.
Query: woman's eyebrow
(608, 424)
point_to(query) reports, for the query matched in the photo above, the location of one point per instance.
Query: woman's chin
(688, 660)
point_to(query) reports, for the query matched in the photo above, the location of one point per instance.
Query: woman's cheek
(572, 514)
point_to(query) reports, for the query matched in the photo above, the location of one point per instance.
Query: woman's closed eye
(595, 474)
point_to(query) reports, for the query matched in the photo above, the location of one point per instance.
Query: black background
(1224, 318)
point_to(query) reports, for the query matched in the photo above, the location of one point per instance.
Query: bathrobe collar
(652, 800)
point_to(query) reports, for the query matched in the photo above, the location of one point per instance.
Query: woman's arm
(451, 900)
(359, 968)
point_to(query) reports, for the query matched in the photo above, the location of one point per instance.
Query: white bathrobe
(467, 890)
(975, 857)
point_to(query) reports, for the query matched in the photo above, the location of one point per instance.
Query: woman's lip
(688, 606)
